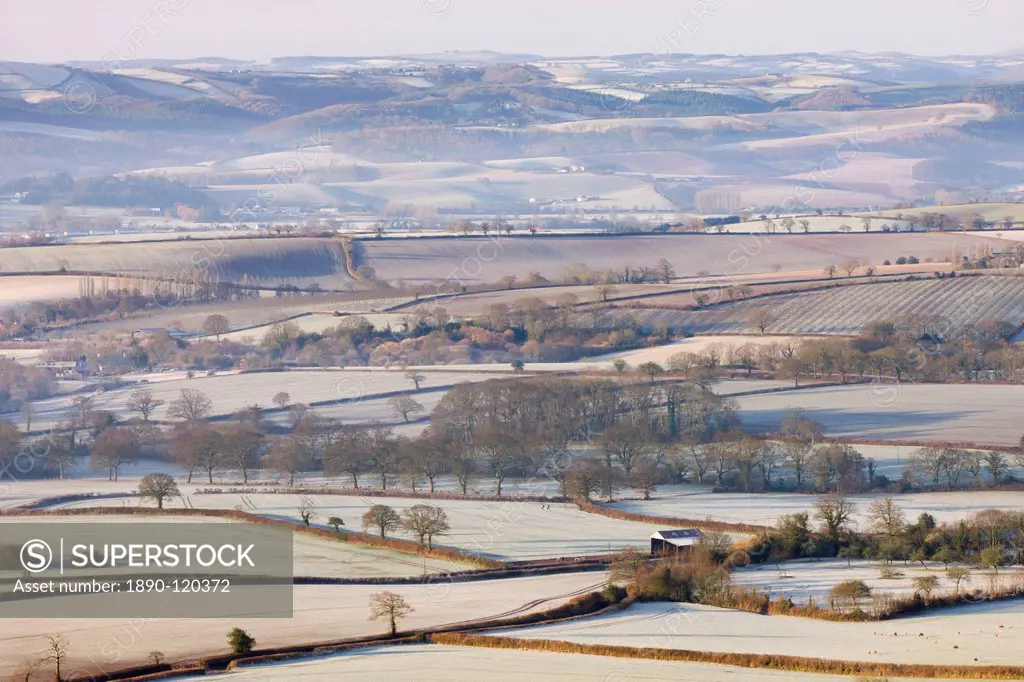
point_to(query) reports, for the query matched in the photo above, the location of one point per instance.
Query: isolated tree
(760, 319)
(404, 405)
(959, 575)
(28, 412)
(141, 400)
(215, 325)
(834, 512)
(158, 487)
(620, 365)
(191, 406)
(156, 657)
(805, 225)
(391, 606)
(307, 510)
(58, 648)
(113, 448)
(382, 517)
(830, 271)
(851, 591)
(850, 267)
(886, 517)
(926, 584)
(425, 521)
(337, 522)
(240, 641)
(281, 399)
(416, 378)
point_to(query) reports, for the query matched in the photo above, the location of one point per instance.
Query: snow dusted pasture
(514, 530)
(803, 579)
(321, 613)
(232, 392)
(968, 413)
(436, 663)
(766, 508)
(478, 259)
(312, 556)
(981, 634)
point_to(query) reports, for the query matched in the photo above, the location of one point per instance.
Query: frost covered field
(804, 579)
(846, 310)
(490, 259)
(321, 613)
(299, 261)
(232, 392)
(436, 663)
(503, 530)
(964, 413)
(981, 634)
(766, 508)
(312, 556)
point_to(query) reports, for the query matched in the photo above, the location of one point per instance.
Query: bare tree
(215, 325)
(425, 521)
(830, 271)
(141, 400)
(760, 319)
(241, 447)
(391, 606)
(308, 510)
(158, 487)
(191, 406)
(404, 405)
(113, 448)
(289, 455)
(382, 517)
(664, 271)
(834, 512)
(347, 455)
(281, 399)
(850, 267)
(58, 650)
(886, 517)
(415, 377)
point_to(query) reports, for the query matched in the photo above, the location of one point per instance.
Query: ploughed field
(489, 259)
(846, 310)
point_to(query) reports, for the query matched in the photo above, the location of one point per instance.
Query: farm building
(674, 541)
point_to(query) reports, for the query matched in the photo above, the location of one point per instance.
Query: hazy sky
(59, 30)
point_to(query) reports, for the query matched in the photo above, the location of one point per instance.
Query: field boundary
(758, 661)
